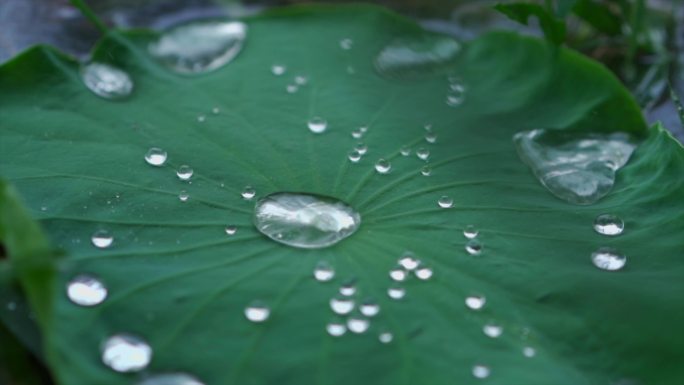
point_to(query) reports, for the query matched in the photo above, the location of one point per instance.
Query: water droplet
(608, 224)
(396, 292)
(363, 129)
(199, 46)
(356, 134)
(361, 147)
(481, 371)
(324, 272)
(291, 88)
(155, 156)
(170, 379)
(405, 151)
(201, 118)
(183, 196)
(473, 247)
(398, 274)
(102, 239)
(278, 70)
(106, 81)
(529, 351)
(342, 305)
(184, 172)
(301, 80)
(470, 232)
(475, 302)
(383, 166)
(336, 328)
(424, 273)
(609, 259)
(408, 261)
(305, 220)
(346, 44)
(369, 308)
(126, 353)
(215, 110)
(317, 125)
(492, 330)
(231, 230)
(426, 170)
(445, 202)
(348, 289)
(423, 153)
(576, 167)
(385, 337)
(431, 137)
(417, 57)
(85, 290)
(354, 156)
(357, 325)
(248, 193)
(257, 311)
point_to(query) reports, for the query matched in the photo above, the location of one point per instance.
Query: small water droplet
(475, 302)
(317, 125)
(431, 137)
(215, 110)
(608, 224)
(408, 261)
(184, 172)
(481, 371)
(106, 81)
(336, 328)
(86, 290)
(324, 272)
(492, 330)
(426, 170)
(155, 156)
(356, 134)
(126, 353)
(183, 196)
(405, 151)
(361, 147)
(473, 247)
(369, 308)
(346, 43)
(358, 325)
(170, 379)
(231, 230)
(383, 166)
(248, 193)
(470, 232)
(301, 80)
(348, 288)
(257, 311)
(607, 258)
(291, 88)
(102, 239)
(454, 99)
(398, 274)
(278, 69)
(417, 57)
(423, 153)
(445, 202)
(305, 220)
(424, 273)
(529, 351)
(199, 46)
(354, 156)
(385, 337)
(396, 292)
(201, 118)
(342, 305)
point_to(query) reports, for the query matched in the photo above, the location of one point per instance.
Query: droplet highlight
(609, 259)
(102, 239)
(86, 290)
(155, 157)
(126, 353)
(184, 172)
(317, 125)
(608, 224)
(106, 81)
(257, 311)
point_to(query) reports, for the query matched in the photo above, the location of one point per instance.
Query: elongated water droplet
(278, 69)
(529, 351)
(155, 157)
(317, 125)
(383, 166)
(481, 371)
(423, 153)
(492, 330)
(445, 202)
(342, 305)
(231, 230)
(248, 193)
(336, 328)
(346, 43)
(257, 311)
(184, 172)
(102, 239)
(408, 261)
(385, 337)
(170, 379)
(357, 325)
(473, 247)
(126, 353)
(396, 292)
(426, 170)
(576, 167)
(416, 57)
(354, 156)
(608, 224)
(475, 302)
(199, 46)
(323, 272)
(424, 273)
(86, 290)
(106, 81)
(369, 308)
(607, 258)
(470, 232)
(183, 196)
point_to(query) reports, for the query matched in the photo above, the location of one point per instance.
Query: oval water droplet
(408, 261)
(481, 371)
(257, 311)
(199, 46)
(423, 153)
(170, 379)
(317, 125)
(215, 110)
(155, 156)
(278, 69)
(529, 351)
(398, 274)
(358, 325)
(248, 193)
(608, 224)
(106, 81)
(385, 337)
(418, 56)
(445, 202)
(86, 290)
(470, 232)
(424, 273)
(102, 239)
(577, 167)
(291, 88)
(324, 272)
(396, 292)
(383, 166)
(426, 170)
(473, 247)
(301, 80)
(475, 302)
(492, 330)
(369, 308)
(126, 353)
(607, 258)
(184, 172)
(336, 328)
(231, 230)
(342, 305)
(183, 196)
(201, 118)
(354, 156)
(305, 220)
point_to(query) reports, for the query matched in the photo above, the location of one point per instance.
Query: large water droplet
(305, 220)
(171, 379)
(184, 172)
(323, 272)
(357, 325)
(475, 302)
(417, 57)
(257, 311)
(576, 167)
(126, 353)
(609, 259)
(155, 157)
(383, 166)
(317, 125)
(106, 81)
(445, 202)
(336, 328)
(102, 239)
(199, 47)
(481, 371)
(85, 290)
(608, 224)
(342, 305)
